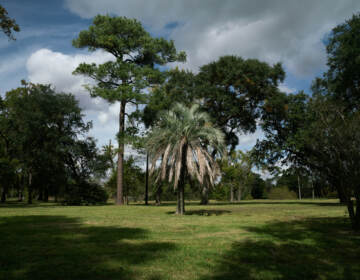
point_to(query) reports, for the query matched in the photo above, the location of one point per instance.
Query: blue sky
(290, 31)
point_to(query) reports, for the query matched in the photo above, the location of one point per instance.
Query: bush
(281, 193)
(85, 193)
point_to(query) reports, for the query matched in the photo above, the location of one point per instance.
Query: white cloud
(287, 31)
(48, 67)
(55, 68)
(247, 141)
(285, 88)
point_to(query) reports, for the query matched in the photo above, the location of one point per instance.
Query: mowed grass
(249, 240)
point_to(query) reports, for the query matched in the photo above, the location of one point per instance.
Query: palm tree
(180, 140)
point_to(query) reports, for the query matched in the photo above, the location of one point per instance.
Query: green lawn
(250, 240)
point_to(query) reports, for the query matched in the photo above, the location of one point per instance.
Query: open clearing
(250, 240)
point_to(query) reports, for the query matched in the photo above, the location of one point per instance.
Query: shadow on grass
(246, 202)
(58, 247)
(310, 249)
(298, 202)
(50, 204)
(203, 212)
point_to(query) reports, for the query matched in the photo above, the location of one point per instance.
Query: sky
(292, 32)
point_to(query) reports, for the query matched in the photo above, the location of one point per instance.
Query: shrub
(281, 193)
(85, 193)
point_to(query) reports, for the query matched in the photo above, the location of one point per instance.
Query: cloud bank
(290, 31)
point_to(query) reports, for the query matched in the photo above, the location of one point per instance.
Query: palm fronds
(180, 140)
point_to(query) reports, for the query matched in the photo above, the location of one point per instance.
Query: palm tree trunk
(204, 195)
(158, 195)
(180, 193)
(120, 163)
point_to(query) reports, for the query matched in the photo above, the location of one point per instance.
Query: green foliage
(342, 80)
(7, 24)
(281, 193)
(236, 174)
(258, 187)
(44, 138)
(233, 89)
(134, 181)
(178, 87)
(85, 193)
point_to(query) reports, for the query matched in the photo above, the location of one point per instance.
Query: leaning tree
(133, 68)
(181, 139)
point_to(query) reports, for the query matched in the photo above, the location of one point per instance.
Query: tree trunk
(20, 195)
(120, 163)
(239, 194)
(204, 195)
(180, 210)
(3, 195)
(30, 189)
(158, 195)
(147, 180)
(41, 195)
(231, 193)
(342, 196)
(299, 187)
(350, 207)
(356, 224)
(46, 194)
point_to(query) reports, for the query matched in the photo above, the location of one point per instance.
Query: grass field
(250, 240)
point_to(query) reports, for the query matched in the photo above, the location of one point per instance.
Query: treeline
(182, 119)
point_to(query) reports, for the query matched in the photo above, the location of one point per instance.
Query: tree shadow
(317, 203)
(323, 248)
(24, 204)
(203, 212)
(59, 247)
(247, 202)
(265, 202)
(50, 204)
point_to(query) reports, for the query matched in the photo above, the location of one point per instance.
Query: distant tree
(181, 139)
(7, 24)
(236, 173)
(123, 79)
